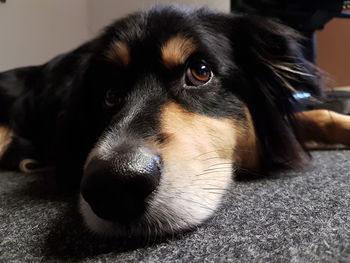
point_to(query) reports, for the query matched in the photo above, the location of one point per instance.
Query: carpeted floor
(290, 217)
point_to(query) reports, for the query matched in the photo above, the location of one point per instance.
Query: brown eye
(198, 74)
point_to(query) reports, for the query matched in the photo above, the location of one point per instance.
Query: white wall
(103, 12)
(33, 31)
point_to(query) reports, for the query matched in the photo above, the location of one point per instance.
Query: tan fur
(192, 134)
(177, 50)
(247, 150)
(5, 139)
(320, 126)
(119, 52)
(324, 126)
(198, 164)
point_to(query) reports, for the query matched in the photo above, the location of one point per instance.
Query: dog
(153, 118)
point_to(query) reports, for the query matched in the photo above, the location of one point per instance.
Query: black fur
(57, 109)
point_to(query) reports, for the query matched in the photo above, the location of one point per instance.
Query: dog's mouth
(157, 220)
(144, 196)
(139, 226)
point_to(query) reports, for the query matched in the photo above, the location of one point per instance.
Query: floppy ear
(271, 70)
(12, 85)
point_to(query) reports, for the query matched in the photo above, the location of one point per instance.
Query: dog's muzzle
(117, 189)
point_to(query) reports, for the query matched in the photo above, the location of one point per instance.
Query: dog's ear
(12, 85)
(271, 70)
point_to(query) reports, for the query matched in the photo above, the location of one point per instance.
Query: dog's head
(169, 95)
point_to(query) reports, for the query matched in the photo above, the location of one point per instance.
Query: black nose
(116, 189)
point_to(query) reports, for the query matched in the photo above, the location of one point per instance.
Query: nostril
(117, 189)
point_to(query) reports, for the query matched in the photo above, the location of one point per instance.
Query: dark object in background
(338, 100)
(306, 16)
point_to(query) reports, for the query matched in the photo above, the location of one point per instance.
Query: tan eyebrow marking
(177, 50)
(119, 52)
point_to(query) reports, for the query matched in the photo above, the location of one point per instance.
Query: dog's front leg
(324, 126)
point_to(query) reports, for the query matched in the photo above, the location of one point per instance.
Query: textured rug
(287, 217)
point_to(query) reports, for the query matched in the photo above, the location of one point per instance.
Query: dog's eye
(111, 99)
(197, 74)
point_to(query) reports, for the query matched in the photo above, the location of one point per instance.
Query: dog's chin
(151, 224)
(169, 211)
(143, 227)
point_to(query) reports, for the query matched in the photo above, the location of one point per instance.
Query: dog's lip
(141, 218)
(136, 215)
(135, 228)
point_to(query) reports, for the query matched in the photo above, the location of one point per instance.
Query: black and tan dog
(154, 116)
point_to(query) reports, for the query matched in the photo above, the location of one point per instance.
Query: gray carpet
(290, 217)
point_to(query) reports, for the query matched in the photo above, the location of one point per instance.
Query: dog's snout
(117, 189)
